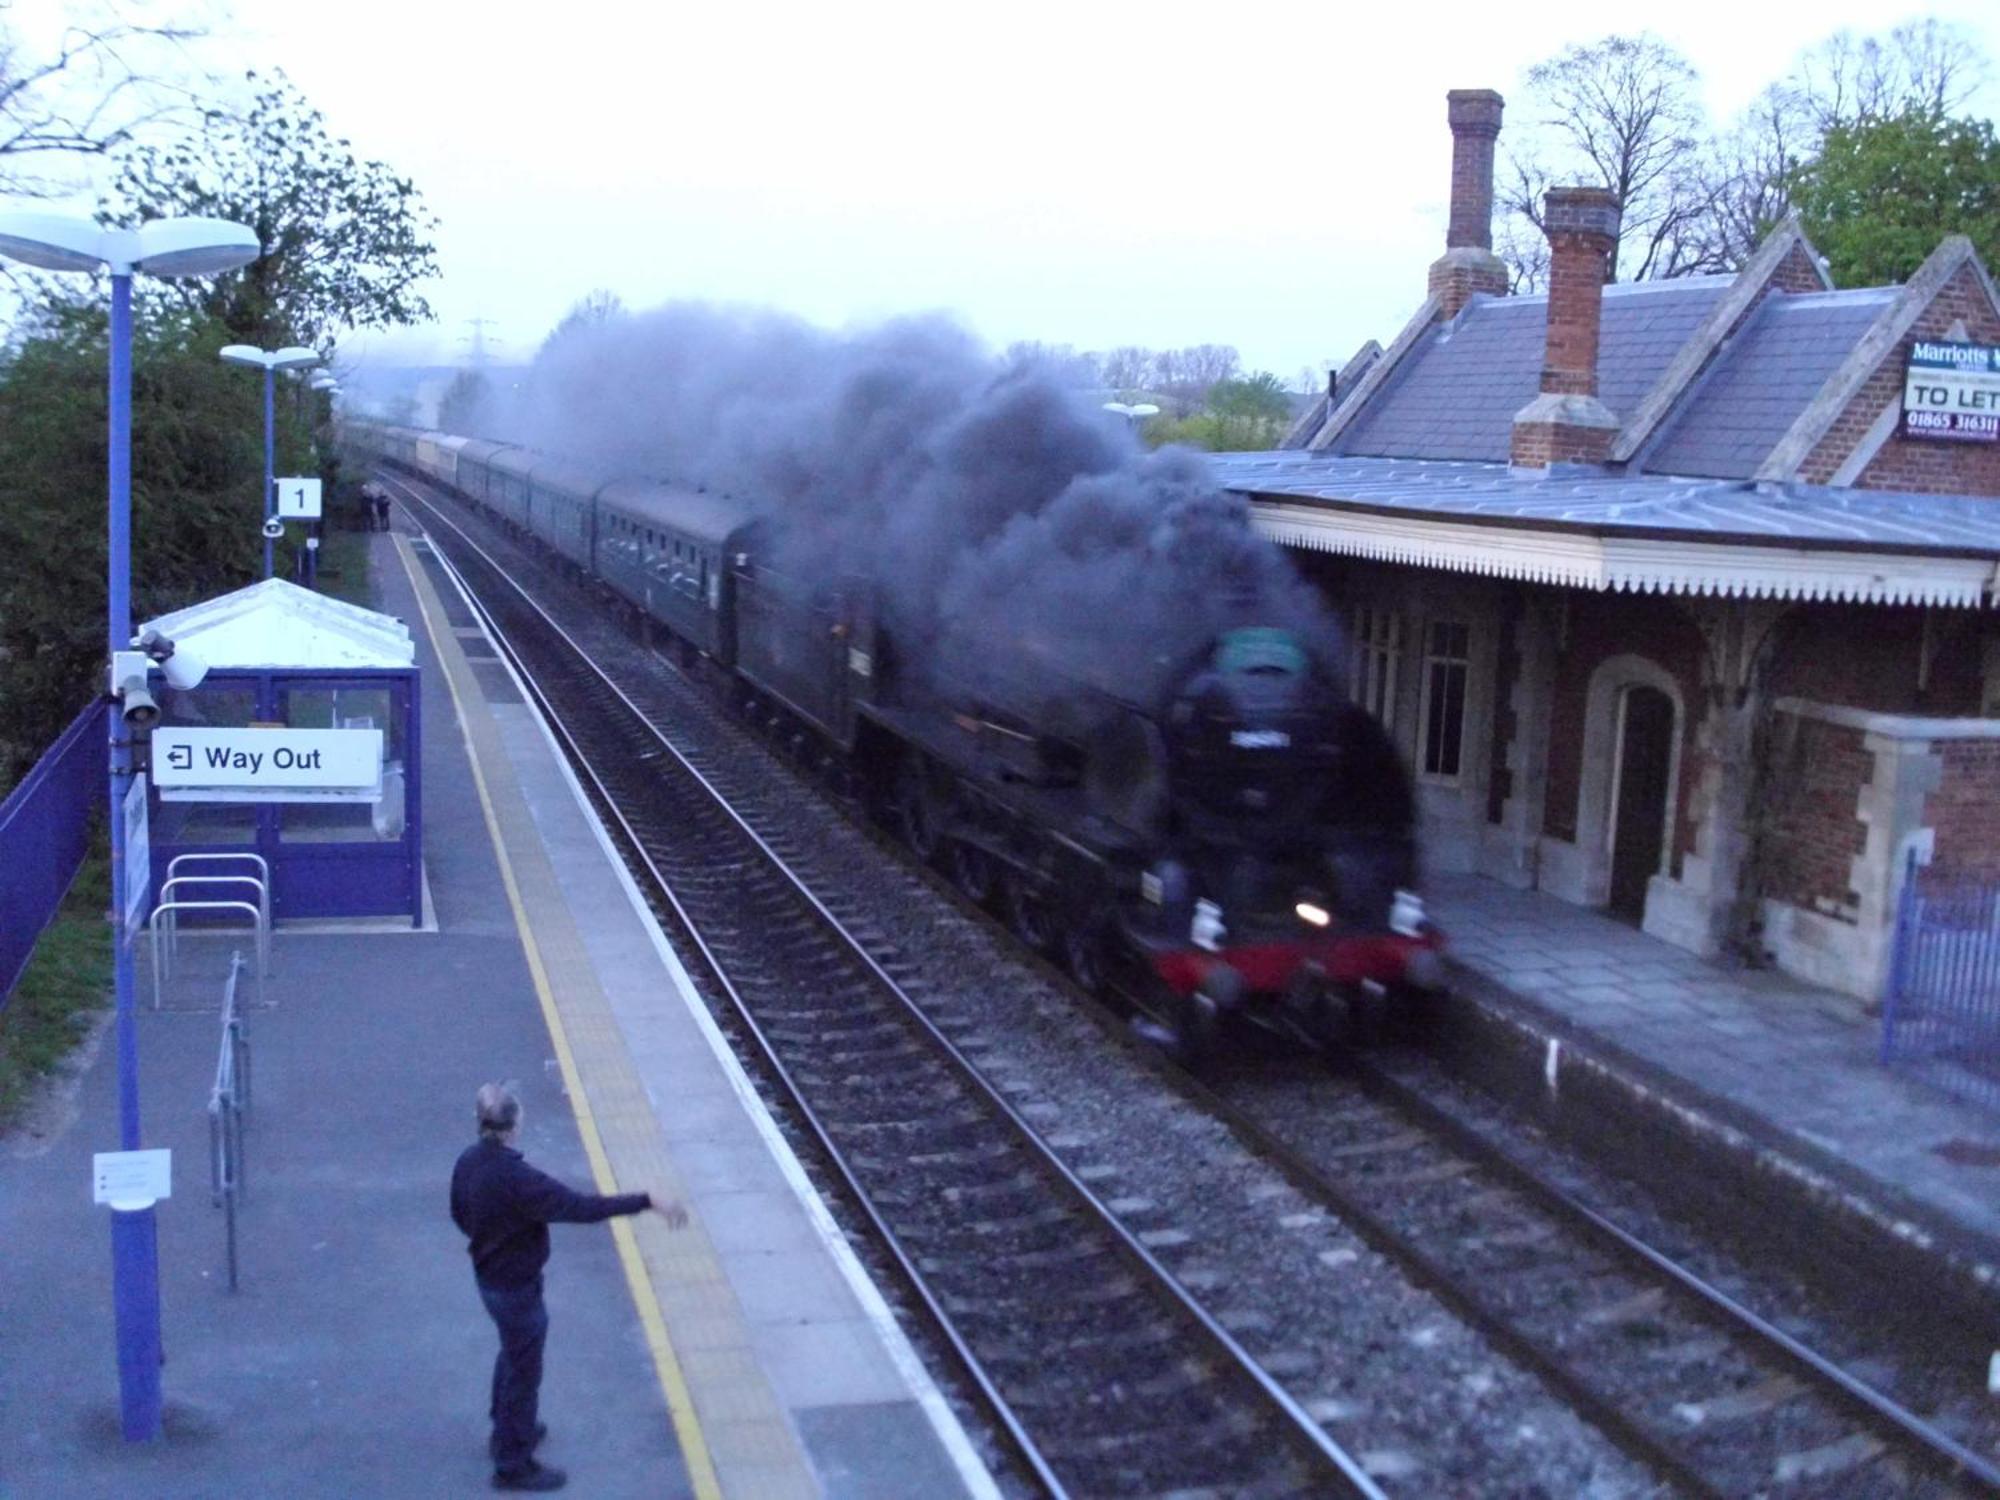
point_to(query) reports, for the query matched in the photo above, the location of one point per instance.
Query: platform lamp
(1133, 414)
(270, 361)
(164, 247)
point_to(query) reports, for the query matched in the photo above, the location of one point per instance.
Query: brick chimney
(1567, 423)
(1468, 264)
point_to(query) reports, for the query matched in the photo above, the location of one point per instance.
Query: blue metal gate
(1943, 1011)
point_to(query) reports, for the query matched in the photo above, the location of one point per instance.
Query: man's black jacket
(505, 1208)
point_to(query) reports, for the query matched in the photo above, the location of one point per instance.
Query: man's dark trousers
(517, 1372)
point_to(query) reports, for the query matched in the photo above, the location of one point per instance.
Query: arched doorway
(1644, 793)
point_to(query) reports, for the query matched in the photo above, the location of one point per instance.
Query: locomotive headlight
(1313, 914)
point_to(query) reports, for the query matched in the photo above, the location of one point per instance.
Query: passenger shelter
(282, 657)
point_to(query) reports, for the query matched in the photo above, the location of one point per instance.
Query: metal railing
(165, 925)
(44, 833)
(1942, 1015)
(228, 1108)
(240, 856)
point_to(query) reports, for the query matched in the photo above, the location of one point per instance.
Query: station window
(1447, 665)
(1378, 651)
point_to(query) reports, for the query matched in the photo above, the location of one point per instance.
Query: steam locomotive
(1236, 846)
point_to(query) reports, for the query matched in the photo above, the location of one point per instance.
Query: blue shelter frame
(327, 859)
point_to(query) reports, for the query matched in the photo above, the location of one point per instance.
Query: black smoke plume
(1017, 534)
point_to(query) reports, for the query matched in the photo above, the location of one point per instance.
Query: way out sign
(298, 499)
(267, 765)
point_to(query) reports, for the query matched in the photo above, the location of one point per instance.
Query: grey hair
(498, 1110)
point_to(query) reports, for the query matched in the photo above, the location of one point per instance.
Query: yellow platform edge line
(673, 1380)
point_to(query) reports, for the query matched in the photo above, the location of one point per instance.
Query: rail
(228, 1108)
(1334, 1470)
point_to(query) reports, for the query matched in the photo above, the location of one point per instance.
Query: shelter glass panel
(214, 705)
(347, 706)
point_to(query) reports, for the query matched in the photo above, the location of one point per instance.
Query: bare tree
(592, 310)
(1923, 66)
(1311, 379)
(1127, 368)
(100, 88)
(1079, 371)
(1205, 365)
(1928, 65)
(1623, 112)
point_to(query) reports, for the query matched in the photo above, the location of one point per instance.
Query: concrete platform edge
(1707, 1155)
(923, 1390)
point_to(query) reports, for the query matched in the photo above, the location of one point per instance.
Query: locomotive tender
(1241, 846)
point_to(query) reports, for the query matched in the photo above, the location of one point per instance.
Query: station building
(1678, 595)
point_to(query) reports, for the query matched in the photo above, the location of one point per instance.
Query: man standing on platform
(505, 1207)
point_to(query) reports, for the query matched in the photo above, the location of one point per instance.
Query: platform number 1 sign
(298, 499)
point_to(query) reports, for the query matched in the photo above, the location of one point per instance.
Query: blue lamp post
(165, 247)
(270, 361)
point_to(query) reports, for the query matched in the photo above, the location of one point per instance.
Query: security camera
(136, 704)
(181, 667)
(274, 528)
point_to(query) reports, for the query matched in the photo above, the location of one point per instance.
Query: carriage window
(1447, 663)
(1378, 651)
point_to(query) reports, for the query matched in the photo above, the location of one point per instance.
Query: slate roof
(1645, 506)
(1458, 390)
(1762, 380)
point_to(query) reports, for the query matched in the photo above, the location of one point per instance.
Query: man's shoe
(536, 1477)
(493, 1442)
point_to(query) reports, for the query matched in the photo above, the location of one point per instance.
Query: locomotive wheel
(917, 811)
(1083, 954)
(1331, 1019)
(1028, 915)
(972, 872)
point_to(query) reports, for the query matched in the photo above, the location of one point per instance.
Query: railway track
(1107, 1376)
(1696, 1387)
(1682, 1376)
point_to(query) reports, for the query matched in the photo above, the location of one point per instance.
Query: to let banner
(1951, 392)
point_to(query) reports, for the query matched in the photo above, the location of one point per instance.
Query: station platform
(1727, 1082)
(747, 1355)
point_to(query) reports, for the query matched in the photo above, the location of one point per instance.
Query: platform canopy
(1640, 533)
(277, 624)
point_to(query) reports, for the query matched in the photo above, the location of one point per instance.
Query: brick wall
(1810, 831)
(1868, 656)
(1964, 809)
(1934, 467)
(1602, 626)
(1797, 273)
(1536, 445)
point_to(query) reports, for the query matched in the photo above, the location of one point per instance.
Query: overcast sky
(1267, 175)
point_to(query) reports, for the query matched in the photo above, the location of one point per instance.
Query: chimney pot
(1469, 265)
(1567, 423)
